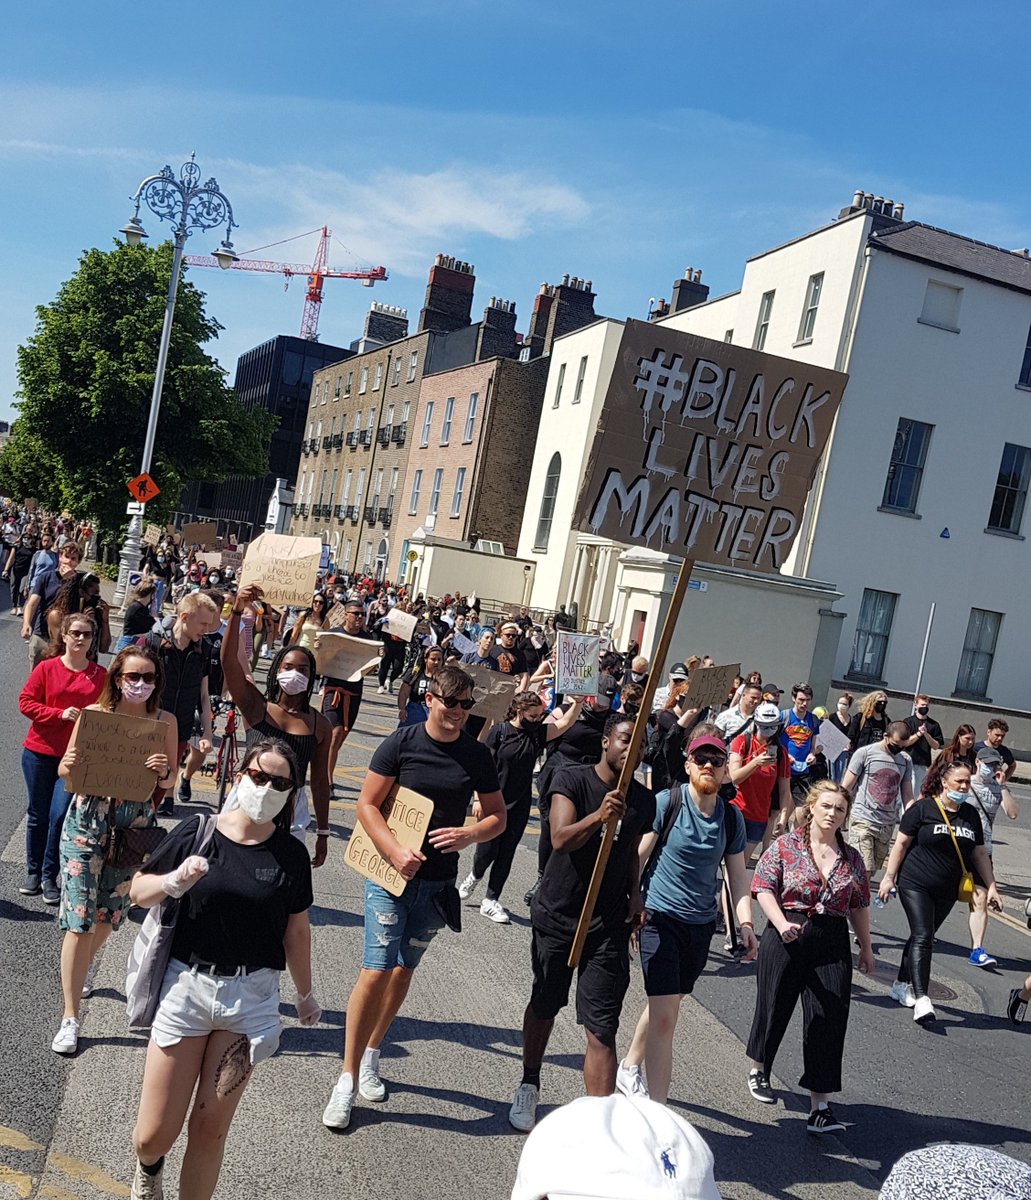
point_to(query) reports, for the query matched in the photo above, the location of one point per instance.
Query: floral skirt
(92, 892)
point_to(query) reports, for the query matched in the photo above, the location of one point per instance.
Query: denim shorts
(398, 929)
(194, 1004)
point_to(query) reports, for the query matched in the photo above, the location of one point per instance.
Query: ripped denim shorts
(398, 929)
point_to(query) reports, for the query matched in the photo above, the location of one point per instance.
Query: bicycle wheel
(226, 766)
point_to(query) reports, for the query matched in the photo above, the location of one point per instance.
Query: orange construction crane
(316, 273)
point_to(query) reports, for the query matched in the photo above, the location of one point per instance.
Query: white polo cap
(615, 1148)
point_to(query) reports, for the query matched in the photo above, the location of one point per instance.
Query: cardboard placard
(213, 559)
(152, 535)
(400, 623)
(340, 656)
(31, 503)
(832, 740)
(200, 533)
(335, 616)
(284, 567)
(492, 691)
(576, 664)
(710, 687)
(112, 751)
(462, 643)
(407, 815)
(706, 449)
(233, 559)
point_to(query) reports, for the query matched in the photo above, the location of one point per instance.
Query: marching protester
(17, 570)
(411, 695)
(990, 792)
(307, 625)
(138, 618)
(925, 736)
(760, 770)
(995, 739)
(440, 761)
(940, 844)
(799, 738)
(342, 698)
(841, 719)
(960, 748)
(43, 593)
(870, 724)
(94, 891)
(242, 920)
(878, 779)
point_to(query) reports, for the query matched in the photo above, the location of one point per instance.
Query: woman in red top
(62, 684)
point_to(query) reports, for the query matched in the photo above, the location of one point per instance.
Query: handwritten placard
(284, 567)
(335, 616)
(200, 533)
(340, 656)
(407, 815)
(710, 687)
(833, 741)
(492, 692)
(576, 664)
(401, 624)
(152, 535)
(111, 755)
(462, 643)
(233, 559)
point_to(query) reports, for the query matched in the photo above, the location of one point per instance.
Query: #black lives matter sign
(705, 449)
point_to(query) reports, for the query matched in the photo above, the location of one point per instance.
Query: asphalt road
(452, 1059)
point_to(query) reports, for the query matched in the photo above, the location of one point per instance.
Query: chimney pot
(857, 200)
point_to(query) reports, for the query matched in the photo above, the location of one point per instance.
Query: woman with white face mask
(242, 919)
(283, 713)
(94, 895)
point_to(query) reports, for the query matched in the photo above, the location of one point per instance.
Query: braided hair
(272, 689)
(815, 791)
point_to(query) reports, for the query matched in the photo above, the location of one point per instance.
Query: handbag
(128, 849)
(966, 880)
(449, 907)
(152, 948)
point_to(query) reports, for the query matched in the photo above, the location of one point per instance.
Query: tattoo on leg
(233, 1068)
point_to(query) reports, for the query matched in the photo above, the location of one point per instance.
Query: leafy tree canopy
(85, 380)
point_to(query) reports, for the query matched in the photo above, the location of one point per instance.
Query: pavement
(451, 1061)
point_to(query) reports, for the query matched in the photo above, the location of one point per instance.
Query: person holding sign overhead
(441, 762)
(342, 698)
(94, 893)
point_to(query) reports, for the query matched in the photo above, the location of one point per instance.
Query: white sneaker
(147, 1187)
(337, 1114)
(66, 1040)
(496, 911)
(523, 1113)
(370, 1086)
(923, 1010)
(903, 993)
(630, 1081)
(89, 983)
(381, 691)
(468, 885)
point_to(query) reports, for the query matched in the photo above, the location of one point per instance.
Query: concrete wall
(441, 568)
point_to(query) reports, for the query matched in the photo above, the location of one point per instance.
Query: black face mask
(880, 706)
(922, 711)
(892, 748)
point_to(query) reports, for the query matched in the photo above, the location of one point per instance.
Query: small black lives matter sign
(705, 449)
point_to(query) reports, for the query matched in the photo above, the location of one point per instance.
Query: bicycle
(228, 756)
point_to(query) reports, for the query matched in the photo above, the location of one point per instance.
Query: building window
(906, 469)
(449, 416)
(359, 489)
(325, 390)
(413, 363)
(1025, 366)
(349, 383)
(941, 306)
(367, 561)
(372, 421)
(763, 324)
(318, 432)
(336, 389)
(413, 503)
(406, 411)
(397, 372)
(357, 419)
(540, 542)
(558, 386)
(470, 416)
(348, 547)
(456, 501)
(975, 663)
(426, 423)
(347, 486)
(729, 335)
(333, 486)
(363, 381)
(1010, 490)
(322, 487)
(579, 390)
(870, 645)
(393, 484)
(378, 488)
(390, 415)
(812, 303)
(378, 378)
(438, 483)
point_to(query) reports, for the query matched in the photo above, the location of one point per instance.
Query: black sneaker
(823, 1120)
(1016, 1009)
(30, 885)
(167, 808)
(759, 1086)
(185, 791)
(528, 898)
(51, 892)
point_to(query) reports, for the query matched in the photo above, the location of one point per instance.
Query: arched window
(540, 542)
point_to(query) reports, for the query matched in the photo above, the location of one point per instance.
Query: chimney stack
(689, 291)
(497, 335)
(449, 295)
(877, 206)
(572, 307)
(385, 323)
(539, 321)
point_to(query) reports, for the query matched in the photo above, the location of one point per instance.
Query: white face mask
(292, 682)
(259, 803)
(136, 690)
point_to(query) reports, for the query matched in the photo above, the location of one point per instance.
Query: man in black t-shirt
(925, 736)
(994, 738)
(583, 800)
(510, 659)
(440, 761)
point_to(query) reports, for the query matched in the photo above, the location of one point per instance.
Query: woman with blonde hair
(870, 724)
(810, 883)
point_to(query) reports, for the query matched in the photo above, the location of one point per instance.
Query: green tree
(85, 380)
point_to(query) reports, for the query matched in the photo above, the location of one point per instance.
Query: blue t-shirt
(682, 883)
(797, 738)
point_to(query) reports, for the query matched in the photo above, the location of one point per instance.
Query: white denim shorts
(194, 1004)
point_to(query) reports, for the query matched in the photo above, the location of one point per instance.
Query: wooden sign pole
(626, 775)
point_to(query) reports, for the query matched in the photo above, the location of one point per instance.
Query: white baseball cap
(615, 1148)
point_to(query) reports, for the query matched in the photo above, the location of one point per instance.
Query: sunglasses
(453, 702)
(77, 633)
(709, 758)
(280, 783)
(139, 676)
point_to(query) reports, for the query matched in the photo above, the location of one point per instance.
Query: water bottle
(878, 902)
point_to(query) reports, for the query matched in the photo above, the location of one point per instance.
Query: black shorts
(800, 785)
(673, 954)
(340, 704)
(602, 980)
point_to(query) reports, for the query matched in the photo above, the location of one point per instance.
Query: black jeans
(393, 661)
(497, 855)
(925, 912)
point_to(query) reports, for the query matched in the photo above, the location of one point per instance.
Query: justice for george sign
(407, 815)
(705, 449)
(111, 755)
(710, 687)
(576, 664)
(283, 567)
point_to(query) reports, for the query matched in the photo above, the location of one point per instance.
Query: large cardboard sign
(111, 752)
(284, 567)
(705, 449)
(576, 664)
(462, 643)
(401, 624)
(152, 535)
(335, 616)
(233, 559)
(407, 815)
(710, 687)
(492, 692)
(340, 656)
(833, 741)
(200, 533)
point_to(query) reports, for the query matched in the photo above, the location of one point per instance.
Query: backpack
(676, 803)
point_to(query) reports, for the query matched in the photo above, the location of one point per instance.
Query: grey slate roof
(938, 247)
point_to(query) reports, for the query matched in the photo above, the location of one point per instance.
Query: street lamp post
(188, 204)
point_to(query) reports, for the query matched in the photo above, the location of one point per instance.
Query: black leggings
(392, 662)
(818, 968)
(925, 912)
(498, 855)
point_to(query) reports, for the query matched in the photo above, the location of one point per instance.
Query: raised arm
(244, 692)
(566, 720)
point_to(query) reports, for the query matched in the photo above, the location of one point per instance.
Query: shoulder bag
(966, 881)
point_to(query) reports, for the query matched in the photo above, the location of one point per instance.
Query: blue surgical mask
(957, 797)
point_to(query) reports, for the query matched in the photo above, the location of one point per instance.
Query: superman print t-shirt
(797, 739)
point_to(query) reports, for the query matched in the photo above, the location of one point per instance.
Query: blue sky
(620, 142)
